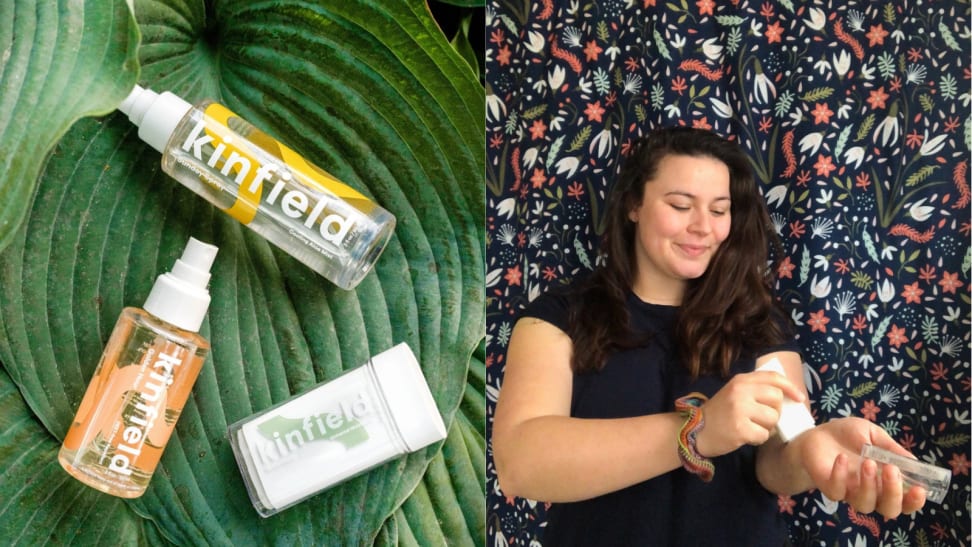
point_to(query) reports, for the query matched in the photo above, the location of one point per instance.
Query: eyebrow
(693, 196)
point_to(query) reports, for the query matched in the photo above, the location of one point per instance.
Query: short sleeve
(552, 307)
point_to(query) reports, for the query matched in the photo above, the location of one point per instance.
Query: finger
(758, 435)
(765, 417)
(864, 497)
(914, 499)
(835, 487)
(782, 383)
(890, 497)
(880, 438)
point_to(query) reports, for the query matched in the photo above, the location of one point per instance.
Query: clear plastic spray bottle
(295, 205)
(142, 382)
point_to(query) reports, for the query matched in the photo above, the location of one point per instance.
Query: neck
(664, 294)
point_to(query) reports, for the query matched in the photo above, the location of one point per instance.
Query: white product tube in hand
(794, 417)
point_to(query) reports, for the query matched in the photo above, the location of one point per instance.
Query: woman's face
(681, 221)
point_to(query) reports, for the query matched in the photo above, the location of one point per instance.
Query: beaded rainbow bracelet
(690, 406)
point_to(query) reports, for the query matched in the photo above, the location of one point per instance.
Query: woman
(681, 302)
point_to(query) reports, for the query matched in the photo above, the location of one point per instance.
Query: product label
(281, 436)
(269, 174)
(316, 440)
(139, 419)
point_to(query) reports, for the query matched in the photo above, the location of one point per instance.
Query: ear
(633, 213)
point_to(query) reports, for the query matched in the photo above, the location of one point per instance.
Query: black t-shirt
(676, 508)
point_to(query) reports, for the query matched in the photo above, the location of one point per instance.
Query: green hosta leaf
(460, 42)
(59, 61)
(461, 513)
(372, 92)
(35, 491)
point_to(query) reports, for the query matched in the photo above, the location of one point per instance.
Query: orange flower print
(679, 85)
(538, 177)
(513, 275)
(797, 228)
(592, 50)
(912, 294)
(877, 98)
(538, 129)
(818, 321)
(876, 35)
(896, 336)
(503, 57)
(950, 282)
(822, 113)
(870, 410)
(594, 111)
(774, 33)
(702, 124)
(824, 165)
(959, 464)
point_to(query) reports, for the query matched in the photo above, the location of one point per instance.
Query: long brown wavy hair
(725, 314)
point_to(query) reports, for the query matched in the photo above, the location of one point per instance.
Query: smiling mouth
(694, 250)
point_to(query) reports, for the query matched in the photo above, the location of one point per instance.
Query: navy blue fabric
(676, 508)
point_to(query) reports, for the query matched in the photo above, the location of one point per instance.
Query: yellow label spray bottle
(265, 185)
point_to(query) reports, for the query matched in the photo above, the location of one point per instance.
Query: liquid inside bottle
(267, 186)
(132, 404)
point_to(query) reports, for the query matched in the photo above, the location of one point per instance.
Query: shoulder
(552, 306)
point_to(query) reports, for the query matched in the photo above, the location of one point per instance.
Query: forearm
(558, 458)
(779, 470)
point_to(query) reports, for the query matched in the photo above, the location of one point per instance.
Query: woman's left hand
(830, 455)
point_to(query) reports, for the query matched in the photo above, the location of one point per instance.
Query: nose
(700, 223)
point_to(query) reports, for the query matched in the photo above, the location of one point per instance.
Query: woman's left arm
(827, 458)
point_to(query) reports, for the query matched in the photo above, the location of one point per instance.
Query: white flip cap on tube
(408, 397)
(794, 416)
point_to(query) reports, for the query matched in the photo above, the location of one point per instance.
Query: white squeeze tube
(794, 417)
(297, 206)
(336, 430)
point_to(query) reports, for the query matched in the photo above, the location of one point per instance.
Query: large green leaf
(39, 493)
(372, 92)
(59, 61)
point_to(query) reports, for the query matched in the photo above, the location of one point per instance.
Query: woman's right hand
(745, 411)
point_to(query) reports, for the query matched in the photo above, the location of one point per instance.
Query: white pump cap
(181, 297)
(409, 400)
(155, 115)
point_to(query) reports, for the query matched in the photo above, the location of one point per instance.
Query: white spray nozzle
(156, 115)
(180, 297)
(137, 103)
(193, 266)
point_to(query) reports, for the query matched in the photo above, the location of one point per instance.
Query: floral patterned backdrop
(856, 117)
